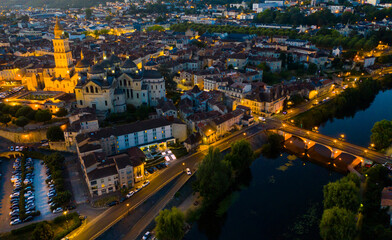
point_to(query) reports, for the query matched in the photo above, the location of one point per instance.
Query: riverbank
(347, 104)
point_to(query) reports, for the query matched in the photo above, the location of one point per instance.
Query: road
(100, 224)
(333, 142)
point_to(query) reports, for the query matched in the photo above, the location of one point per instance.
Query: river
(283, 198)
(357, 129)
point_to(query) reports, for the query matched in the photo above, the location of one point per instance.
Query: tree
(62, 112)
(273, 147)
(89, 13)
(5, 119)
(170, 224)
(25, 111)
(21, 121)
(156, 28)
(312, 69)
(43, 231)
(337, 224)
(43, 116)
(382, 134)
(55, 133)
(342, 194)
(240, 156)
(213, 177)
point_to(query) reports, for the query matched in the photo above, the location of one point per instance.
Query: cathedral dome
(128, 64)
(96, 69)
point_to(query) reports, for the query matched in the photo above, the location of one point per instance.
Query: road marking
(135, 206)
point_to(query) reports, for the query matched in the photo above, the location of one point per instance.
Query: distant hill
(53, 3)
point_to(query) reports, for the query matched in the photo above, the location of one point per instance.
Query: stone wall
(24, 137)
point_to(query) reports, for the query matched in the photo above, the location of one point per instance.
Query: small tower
(58, 29)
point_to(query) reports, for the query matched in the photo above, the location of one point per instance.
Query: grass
(104, 201)
(179, 152)
(60, 228)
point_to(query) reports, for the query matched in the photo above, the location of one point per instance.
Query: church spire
(58, 29)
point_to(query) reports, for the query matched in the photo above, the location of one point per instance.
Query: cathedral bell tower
(62, 52)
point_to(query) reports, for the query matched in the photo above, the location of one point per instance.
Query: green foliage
(43, 231)
(382, 134)
(21, 121)
(240, 156)
(25, 111)
(170, 224)
(62, 112)
(273, 147)
(89, 13)
(213, 177)
(346, 104)
(157, 28)
(55, 162)
(342, 194)
(5, 118)
(337, 224)
(43, 116)
(55, 133)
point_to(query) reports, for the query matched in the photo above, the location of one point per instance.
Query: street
(111, 216)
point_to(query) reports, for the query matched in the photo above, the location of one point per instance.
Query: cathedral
(61, 78)
(106, 86)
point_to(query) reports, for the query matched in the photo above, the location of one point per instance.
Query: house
(386, 201)
(107, 174)
(193, 141)
(80, 122)
(166, 108)
(264, 100)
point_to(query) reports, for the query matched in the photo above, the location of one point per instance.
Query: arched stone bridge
(336, 147)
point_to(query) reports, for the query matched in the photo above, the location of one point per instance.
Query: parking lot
(41, 190)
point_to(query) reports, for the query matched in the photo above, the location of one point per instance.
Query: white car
(16, 221)
(130, 194)
(146, 236)
(146, 183)
(188, 171)
(17, 149)
(57, 210)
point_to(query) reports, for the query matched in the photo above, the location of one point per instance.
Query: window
(81, 102)
(93, 182)
(145, 137)
(102, 180)
(106, 103)
(137, 95)
(87, 90)
(154, 133)
(91, 89)
(96, 90)
(136, 139)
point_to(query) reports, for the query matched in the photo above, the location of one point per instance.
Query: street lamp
(66, 219)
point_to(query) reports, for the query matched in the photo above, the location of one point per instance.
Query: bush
(55, 133)
(24, 229)
(43, 116)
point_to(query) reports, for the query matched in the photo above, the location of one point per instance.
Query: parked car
(28, 218)
(146, 236)
(112, 203)
(188, 171)
(137, 189)
(57, 210)
(146, 183)
(15, 222)
(130, 194)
